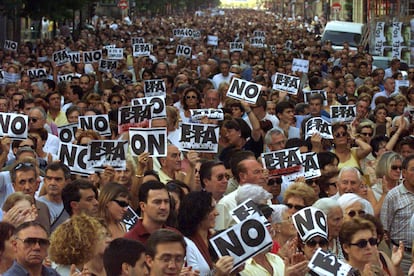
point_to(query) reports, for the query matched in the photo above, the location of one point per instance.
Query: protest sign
(37, 74)
(68, 77)
(272, 48)
(115, 53)
(236, 46)
(379, 39)
(151, 140)
(243, 240)
(257, 42)
(11, 77)
(310, 165)
(154, 88)
(212, 40)
(2, 77)
(199, 137)
(342, 113)
(137, 40)
(182, 33)
(210, 113)
(300, 65)
(130, 218)
(247, 209)
(289, 84)
(11, 45)
(159, 109)
(98, 123)
(75, 157)
(74, 57)
(318, 125)
(308, 93)
(92, 56)
(102, 153)
(244, 90)
(259, 33)
(400, 83)
(141, 49)
(67, 132)
(13, 125)
(283, 162)
(328, 264)
(109, 46)
(183, 50)
(134, 116)
(60, 57)
(310, 222)
(106, 65)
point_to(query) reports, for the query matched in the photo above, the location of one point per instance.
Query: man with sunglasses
(214, 178)
(30, 245)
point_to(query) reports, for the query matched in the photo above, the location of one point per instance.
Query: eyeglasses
(410, 72)
(297, 207)
(220, 177)
(274, 181)
(26, 146)
(23, 165)
(367, 134)
(353, 213)
(191, 97)
(168, 259)
(29, 242)
(395, 167)
(310, 182)
(341, 134)
(33, 119)
(121, 203)
(364, 243)
(332, 184)
(116, 102)
(313, 243)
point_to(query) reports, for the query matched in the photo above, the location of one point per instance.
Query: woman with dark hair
(191, 100)
(240, 136)
(381, 120)
(196, 219)
(6, 249)
(348, 149)
(113, 204)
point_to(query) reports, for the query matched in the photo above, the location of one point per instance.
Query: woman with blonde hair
(114, 200)
(18, 208)
(79, 241)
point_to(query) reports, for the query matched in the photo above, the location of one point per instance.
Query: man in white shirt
(224, 75)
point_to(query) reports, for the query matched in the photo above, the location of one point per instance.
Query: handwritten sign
(151, 140)
(199, 137)
(318, 125)
(289, 84)
(342, 113)
(244, 90)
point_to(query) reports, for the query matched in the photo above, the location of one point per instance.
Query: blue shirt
(17, 270)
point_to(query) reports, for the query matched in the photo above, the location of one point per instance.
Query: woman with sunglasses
(113, 204)
(298, 196)
(191, 100)
(348, 149)
(354, 206)
(359, 242)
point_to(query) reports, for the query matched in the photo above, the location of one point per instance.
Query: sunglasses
(310, 182)
(332, 184)
(367, 134)
(121, 203)
(312, 243)
(33, 241)
(364, 243)
(23, 165)
(191, 97)
(116, 102)
(341, 134)
(395, 167)
(32, 119)
(220, 177)
(274, 181)
(354, 213)
(297, 207)
(26, 146)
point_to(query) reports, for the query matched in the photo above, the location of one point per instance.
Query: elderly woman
(254, 192)
(18, 208)
(353, 205)
(298, 196)
(6, 249)
(77, 241)
(283, 231)
(335, 217)
(191, 100)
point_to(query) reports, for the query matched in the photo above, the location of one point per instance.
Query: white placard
(327, 264)
(74, 57)
(67, 132)
(236, 46)
(257, 42)
(60, 57)
(283, 162)
(98, 123)
(159, 109)
(154, 88)
(342, 113)
(318, 125)
(75, 157)
(199, 137)
(300, 65)
(212, 40)
(102, 153)
(142, 49)
(115, 53)
(151, 140)
(68, 77)
(134, 116)
(210, 113)
(37, 74)
(244, 90)
(289, 84)
(13, 125)
(106, 65)
(310, 222)
(183, 50)
(11, 45)
(310, 165)
(92, 56)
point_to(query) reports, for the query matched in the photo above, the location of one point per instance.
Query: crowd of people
(55, 221)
